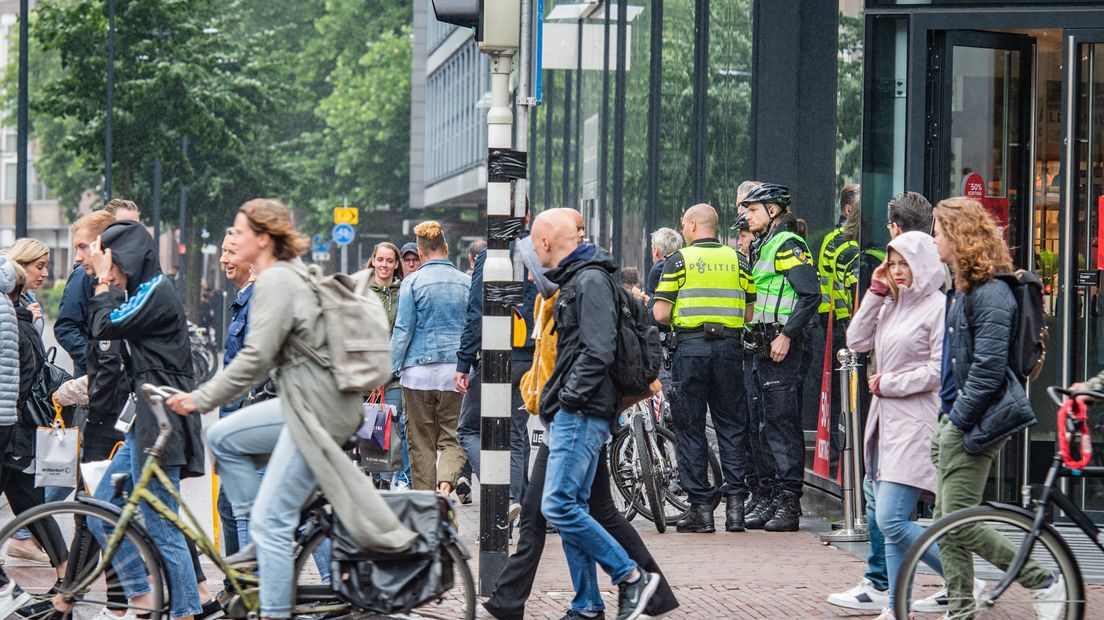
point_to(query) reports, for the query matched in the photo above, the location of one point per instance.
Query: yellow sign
(346, 215)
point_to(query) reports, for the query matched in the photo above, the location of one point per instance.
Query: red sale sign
(973, 186)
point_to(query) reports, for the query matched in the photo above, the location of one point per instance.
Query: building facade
(46, 219)
(649, 107)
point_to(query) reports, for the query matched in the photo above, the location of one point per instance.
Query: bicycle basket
(389, 583)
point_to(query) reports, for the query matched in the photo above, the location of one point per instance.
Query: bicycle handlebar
(1060, 394)
(156, 396)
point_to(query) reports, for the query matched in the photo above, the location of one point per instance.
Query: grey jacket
(9, 348)
(319, 416)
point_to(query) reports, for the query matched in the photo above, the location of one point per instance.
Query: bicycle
(1041, 553)
(204, 348)
(96, 577)
(644, 468)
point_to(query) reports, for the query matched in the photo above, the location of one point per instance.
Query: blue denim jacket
(235, 337)
(433, 304)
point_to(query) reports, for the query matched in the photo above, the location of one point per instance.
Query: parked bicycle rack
(853, 527)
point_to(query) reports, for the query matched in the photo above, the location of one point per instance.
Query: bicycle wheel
(677, 503)
(313, 594)
(649, 475)
(1050, 556)
(622, 473)
(64, 530)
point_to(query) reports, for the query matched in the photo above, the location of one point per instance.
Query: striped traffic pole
(498, 278)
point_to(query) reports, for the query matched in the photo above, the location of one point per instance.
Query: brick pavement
(722, 575)
(743, 576)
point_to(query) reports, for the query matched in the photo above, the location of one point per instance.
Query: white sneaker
(932, 604)
(513, 512)
(106, 614)
(979, 589)
(11, 599)
(1050, 602)
(938, 602)
(862, 596)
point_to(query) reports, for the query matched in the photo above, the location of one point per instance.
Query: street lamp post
(110, 98)
(22, 126)
(183, 215)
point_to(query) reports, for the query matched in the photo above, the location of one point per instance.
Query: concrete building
(46, 220)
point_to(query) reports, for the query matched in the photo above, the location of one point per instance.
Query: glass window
(10, 139)
(10, 183)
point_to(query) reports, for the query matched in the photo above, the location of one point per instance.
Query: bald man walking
(579, 402)
(704, 294)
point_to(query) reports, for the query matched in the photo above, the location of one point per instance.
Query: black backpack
(1027, 351)
(639, 350)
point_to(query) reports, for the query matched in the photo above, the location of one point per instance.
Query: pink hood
(906, 337)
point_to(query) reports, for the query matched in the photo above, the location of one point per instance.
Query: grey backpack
(357, 334)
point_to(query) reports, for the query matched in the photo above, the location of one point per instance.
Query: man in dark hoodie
(579, 401)
(134, 302)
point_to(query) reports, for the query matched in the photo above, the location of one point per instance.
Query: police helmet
(768, 193)
(741, 222)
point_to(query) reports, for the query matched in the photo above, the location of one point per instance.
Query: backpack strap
(295, 340)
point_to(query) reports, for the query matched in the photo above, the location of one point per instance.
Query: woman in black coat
(983, 402)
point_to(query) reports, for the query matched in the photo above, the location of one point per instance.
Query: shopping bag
(379, 445)
(93, 472)
(57, 454)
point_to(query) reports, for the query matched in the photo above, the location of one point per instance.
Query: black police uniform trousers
(515, 582)
(782, 438)
(708, 373)
(760, 464)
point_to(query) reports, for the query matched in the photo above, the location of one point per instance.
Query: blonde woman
(34, 257)
(983, 403)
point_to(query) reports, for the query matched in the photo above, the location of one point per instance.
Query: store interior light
(590, 10)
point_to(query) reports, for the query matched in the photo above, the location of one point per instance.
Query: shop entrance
(1007, 113)
(1003, 103)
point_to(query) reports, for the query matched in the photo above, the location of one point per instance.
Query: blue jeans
(394, 397)
(876, 561)
(896, 508)
(234, 441)
(469, 427)
(287, 485)
(170, 541)
(574, 443)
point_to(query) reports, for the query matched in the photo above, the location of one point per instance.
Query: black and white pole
(498, 276)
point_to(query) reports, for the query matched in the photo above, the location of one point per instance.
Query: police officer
(837, 280)
(704, 294)
(787, 298)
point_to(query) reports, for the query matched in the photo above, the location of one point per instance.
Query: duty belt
(695, 333)
(758, 336)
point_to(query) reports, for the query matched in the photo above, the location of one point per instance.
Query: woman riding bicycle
(901, 317)
(983, 401)
(317, 416)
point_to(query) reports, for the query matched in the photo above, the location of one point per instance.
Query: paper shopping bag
(93, 472)
(379, 443)
(57, 454)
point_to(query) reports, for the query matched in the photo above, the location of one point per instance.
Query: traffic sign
(318, 244)
(346, 215)
(344, 234)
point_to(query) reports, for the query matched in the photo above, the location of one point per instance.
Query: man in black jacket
(579, 401)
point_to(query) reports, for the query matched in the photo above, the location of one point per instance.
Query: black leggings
(22, 495)
(515, 584)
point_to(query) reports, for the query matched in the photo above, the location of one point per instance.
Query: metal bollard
(853, 526)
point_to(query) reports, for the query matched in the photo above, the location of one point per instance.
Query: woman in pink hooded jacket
(901, 317)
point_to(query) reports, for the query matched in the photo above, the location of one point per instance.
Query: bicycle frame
(190, 528)
(239, 581)
(1051, 495)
